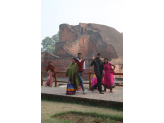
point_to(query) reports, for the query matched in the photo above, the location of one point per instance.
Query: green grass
(51, 108)
(64, 121)
(55, 121)
(86, 104)
(92, 114)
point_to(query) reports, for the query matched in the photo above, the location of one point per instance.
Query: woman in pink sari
(108, 76)
(50, 74)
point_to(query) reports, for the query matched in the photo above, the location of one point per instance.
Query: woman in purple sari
(108, 76)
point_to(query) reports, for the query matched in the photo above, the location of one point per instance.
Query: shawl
(73, 74)
(51, 68)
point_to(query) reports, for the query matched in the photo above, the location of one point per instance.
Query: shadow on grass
(87, 116)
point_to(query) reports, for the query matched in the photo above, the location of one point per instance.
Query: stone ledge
(94, 102)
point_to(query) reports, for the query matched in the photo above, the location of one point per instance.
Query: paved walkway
(117, 96)
(107, 99)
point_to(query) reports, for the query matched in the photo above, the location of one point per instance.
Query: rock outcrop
(89, 39)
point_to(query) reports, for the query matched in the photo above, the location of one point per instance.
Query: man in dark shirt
(99, 72)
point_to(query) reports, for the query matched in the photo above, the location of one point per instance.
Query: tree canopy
(48, 44)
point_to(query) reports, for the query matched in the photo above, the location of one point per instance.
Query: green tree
(42, 49)
(48, 44)
(51, 49)
(56, 37)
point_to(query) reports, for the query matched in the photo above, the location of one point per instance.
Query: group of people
(102, 71)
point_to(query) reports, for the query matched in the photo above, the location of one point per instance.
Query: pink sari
(108, 77)
(50, 79)
(94, 80)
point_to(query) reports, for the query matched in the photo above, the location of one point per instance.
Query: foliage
(48, 44)
(56, 37)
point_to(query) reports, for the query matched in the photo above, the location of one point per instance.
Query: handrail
(83, 73)
(90, 73)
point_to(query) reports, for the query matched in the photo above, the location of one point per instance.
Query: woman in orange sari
(50, 74)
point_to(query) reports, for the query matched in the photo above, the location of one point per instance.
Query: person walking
(94, 80)
(81, 65)
(108, 76)
(73, 74)
(99, 72)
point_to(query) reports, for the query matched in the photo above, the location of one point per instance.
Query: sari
(79, 87)
(70, 89)
(73, 74)
(108, 77)
(50, 69)
(50, 79)
(94, 80)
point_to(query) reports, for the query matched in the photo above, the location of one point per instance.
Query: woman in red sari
(50, 74)
(108, 76)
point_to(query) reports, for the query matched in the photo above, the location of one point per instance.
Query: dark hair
(49, 62)
(104, 60)
(98, 54)
(75, 59)
(79, 53)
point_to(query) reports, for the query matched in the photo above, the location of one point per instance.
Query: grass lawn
(50, 108)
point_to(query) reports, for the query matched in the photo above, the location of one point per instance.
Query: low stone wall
(93, 102)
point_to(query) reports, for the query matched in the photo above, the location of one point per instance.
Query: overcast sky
(56, 12)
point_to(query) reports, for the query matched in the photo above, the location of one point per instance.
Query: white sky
(56, 12)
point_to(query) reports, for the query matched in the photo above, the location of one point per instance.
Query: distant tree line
(48, 44)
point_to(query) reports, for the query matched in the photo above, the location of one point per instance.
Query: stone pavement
(114, 100)
(117, 96)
